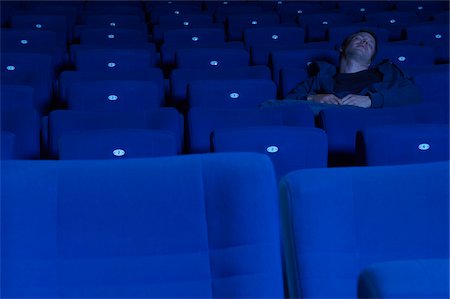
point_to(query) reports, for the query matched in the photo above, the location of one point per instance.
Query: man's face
(361, 47)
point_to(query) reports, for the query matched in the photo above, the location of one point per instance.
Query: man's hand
(325, 98)
(356, 100)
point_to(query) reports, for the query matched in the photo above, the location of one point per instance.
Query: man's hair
(349, 38)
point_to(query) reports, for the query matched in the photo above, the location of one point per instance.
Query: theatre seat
(203, 226)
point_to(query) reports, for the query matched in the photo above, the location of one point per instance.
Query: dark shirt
(354, 83)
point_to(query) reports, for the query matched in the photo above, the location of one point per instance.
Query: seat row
(213, 226)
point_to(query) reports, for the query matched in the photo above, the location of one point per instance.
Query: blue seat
(174, 9)
(194, 36)
(395, 21)
(112, 36)
(7, 145)
(168, 50)
(119, 21)
(425, 10)
(224, 9)
(338, 221)
(119, 8)
(432, 86)
(236, 24)
(44, 22)
(203, 121)
(148, 75)
(117, 144)
(103, 228)
(212, 58)
(113, 95)
(61, 122)
(357, 10)
(160, 30)
(34, 70)
(289, 148)
(181, 78)
(289, 11)
(25, 124)
(300, 58)
(435, 36)
(410, 58)
(289, 78)
(16, 97)
(262, 41)
(426, 278)
(223, 93)
(186, 20)
(402, 144)
(317, 25)
(342, 124)
(113, 59)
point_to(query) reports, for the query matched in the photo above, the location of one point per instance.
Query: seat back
(340, 220)
(101, 228)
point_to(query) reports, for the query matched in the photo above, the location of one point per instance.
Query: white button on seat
(177, 12)
(392, 21)
(112, 24)
(225, 2)
(111, 36)
(39, 26)
(214, 62)
(24, 42)
(401, 58)
(113, 97)
(280, 2)
(325, 23)
(299, 11)
(309, 63)
(424, 146)
(10, 68)
(438, 36)
(195, 38)
(419, 7)
(362, 9)
(272, 149)
(186, 23)
(254, 22)
(234, 95)
(111, 64)
(119, 152)
(274, 36)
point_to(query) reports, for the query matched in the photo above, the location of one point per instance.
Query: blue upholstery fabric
(341, 220)
(119, 229)
(25, 125)
(242, 93)
(405, 279)
(117, 144)
(430, 86)
(203, 121)
(112, 36)
(113, 95)
(316, 25)
(213, 58)
(407, 57)
(7, 145)
(236, 24)
(194, 35)
(62, 121)
(289, 148)
(394, 21)
(403, 144)
(14, 96)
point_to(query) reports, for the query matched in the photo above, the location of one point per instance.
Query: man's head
(360, 46)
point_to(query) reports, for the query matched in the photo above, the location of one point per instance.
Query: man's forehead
(364, 34)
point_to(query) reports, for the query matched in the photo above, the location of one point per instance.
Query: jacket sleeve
(396, 90)
(302, 89)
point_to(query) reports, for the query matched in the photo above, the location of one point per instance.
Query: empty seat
(341, 220)
(7, 145)
(14, 97)
(433, 88)
(342, 124)
(289, 11)
(118, 229)
(181, 78)
(236, 24)
(224, 9)
(357, 10)
(134, 22)
(289, 148)
(112, 36)
(203, 121)
(410, 58)
(316, 25)
(117, 144)
(61, 122)
(212, 58)
(114, 60)
(242, 93)
(146, 75)
(174, 9)
(394, 21)
(25, 124)
(160, 30)
(434, 36)
(405, 278)
(113, 95)
(194, 36)
(402, 144)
